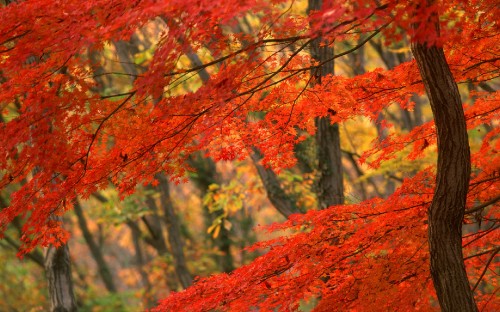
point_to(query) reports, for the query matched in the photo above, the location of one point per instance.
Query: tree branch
(482, 206)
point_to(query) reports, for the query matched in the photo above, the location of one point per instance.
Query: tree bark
(277, 196)
(452, 181)
(58, 270)
(330, 187)
(330, 183)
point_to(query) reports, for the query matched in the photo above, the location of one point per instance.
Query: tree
(330, 182)
(259, 96)
(453, 172)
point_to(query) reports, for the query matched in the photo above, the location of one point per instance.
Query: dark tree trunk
(174, 233)
(330, 187)
(139, 257)
(154, 226)
(58, 270)
(96, 252)
(277, 196)
(453, 170)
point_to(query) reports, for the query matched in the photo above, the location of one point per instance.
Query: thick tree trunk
(58, 270)
(330, 187)
(452, 181)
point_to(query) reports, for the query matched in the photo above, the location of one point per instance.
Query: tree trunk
(330, 188)
(153, 224)
(174, 233)
(139, 258)
(452, 181)
(58, 270)
(96, 252)
(277, 196)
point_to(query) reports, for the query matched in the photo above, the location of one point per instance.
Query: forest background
(162, 139)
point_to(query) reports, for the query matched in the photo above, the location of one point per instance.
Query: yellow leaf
(213, 187)
(216, 232)
(212, 227)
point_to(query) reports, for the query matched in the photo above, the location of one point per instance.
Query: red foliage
(66, 141)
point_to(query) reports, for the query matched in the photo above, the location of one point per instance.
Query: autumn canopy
(234, 80)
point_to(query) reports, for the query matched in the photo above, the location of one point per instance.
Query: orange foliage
(373, 254)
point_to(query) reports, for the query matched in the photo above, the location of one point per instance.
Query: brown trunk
(452, 181)
(58, 270)
(330, 188)
(154, 226)
(277, 196)
(174, 233)
(96, 252)
(148, 301)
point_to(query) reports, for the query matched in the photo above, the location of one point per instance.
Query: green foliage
(22, 284)
(130, 208)
(96, 301)
(223, 200)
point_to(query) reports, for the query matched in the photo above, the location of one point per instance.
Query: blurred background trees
(126, 254)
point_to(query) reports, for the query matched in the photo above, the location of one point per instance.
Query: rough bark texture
(104, 270)
(58, 270)
(174, 233)
(330, 188)
(452, 181)
(330, 183)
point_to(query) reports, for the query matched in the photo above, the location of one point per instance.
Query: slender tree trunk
(417, 110)
(154, 225)
(96, 252)
(277, 196)
(58, 270)
(174, 233)
(139, 257)
(330, 188)
(453, 170)
(271, 182)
